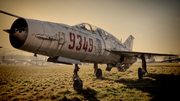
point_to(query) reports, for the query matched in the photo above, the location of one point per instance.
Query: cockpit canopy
(97, 31)
(91, 28)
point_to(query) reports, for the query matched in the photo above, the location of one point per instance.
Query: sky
(155, 24)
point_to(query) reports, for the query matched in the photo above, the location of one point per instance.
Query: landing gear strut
(143, 70)
(140, 73)
(97, 71)
(78, 84)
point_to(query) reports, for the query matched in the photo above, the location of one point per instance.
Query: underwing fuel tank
(36, 36)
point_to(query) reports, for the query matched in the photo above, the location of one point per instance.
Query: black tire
(77, 85)
(140, 74)
(98, 73)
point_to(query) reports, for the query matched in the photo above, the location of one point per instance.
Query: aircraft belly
(71, 54)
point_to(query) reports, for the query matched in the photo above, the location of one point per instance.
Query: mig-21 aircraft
(75, 44)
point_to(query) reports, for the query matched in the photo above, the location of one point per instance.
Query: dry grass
(55, 83)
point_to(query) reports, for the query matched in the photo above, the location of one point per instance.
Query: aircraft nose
(18, 32)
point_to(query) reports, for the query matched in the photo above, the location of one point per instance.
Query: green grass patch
(55, 83)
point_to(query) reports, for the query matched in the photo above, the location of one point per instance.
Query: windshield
(88, 27)
(98, 31)
(84, 26)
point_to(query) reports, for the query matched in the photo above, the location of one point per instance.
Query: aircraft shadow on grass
(164, 87)
(160, 86)
(88, 93)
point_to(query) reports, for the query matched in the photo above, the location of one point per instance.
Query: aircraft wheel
(140, 74)
(98, 73)
(78, 85)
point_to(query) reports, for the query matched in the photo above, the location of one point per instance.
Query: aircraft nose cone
(19, 33)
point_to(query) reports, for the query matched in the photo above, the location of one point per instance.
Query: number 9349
(82, 45)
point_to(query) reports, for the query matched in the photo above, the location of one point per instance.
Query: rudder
(129, 42)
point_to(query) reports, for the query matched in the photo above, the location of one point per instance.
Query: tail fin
(129, 42)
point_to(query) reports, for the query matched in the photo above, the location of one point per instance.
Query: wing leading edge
(138, 54)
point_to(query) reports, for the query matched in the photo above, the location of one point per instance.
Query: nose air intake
(18, 32)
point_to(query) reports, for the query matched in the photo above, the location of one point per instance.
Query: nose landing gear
(78, 84)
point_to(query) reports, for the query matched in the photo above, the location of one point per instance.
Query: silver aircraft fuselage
(83, 42)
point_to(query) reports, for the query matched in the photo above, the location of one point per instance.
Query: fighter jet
(75, 44)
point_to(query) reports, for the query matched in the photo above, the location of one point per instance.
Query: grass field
(55, 83)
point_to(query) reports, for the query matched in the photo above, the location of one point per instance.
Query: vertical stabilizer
(129, 42)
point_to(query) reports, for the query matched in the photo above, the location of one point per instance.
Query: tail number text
(81, 44)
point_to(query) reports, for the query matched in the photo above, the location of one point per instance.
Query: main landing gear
(97, 71)
(143, 70)
(78, 84)
(140, 73)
